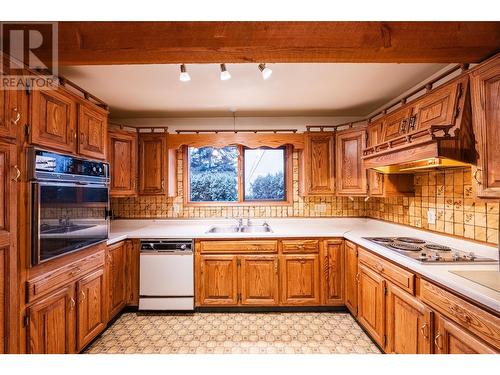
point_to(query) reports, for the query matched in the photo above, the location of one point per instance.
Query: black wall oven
(70, 204)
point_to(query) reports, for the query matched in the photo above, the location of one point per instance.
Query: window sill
(240, 204)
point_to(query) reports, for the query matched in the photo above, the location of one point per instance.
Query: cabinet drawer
(300, 246)
(397, 275)
(63, 275)
(238, 246)
(474, 319)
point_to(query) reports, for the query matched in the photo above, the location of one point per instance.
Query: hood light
(266, 72)
(224, 74)
(184, 76)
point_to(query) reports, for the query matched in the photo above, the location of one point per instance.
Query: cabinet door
(53, 120)
(152, 163)
(350, 176)
(259, 280)
(8, 249)
(10, 112)
(92, 131)
(132, 272)
(485, 85)
(396, 124)
(333, 268)
(436, 108)
(52, 323)
(318, 164)
(351, 277)
(122, 157)
(371, 303)
(375, 183)
(452, 339)
(116, 274)
(91, 311)
(218, 281)
(409, 323)
(300, 279)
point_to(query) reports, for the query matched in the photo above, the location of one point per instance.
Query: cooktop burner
(428, 252)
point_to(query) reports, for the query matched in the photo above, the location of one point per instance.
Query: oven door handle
(35, 223)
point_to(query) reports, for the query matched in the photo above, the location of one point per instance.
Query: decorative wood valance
(252, 140)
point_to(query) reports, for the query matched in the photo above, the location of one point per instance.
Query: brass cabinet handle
(82, 137)
(423, 329)
(72, 304)
(18, 174)
(18, 115)
(357, 277)
(163, 184)
(83, 295)
(276, 266)
(402, 127)
(380, 268)
(475, 176)
(436, 341)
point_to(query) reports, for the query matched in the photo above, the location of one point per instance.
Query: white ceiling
(292, 90)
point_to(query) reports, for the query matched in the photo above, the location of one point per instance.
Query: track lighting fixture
(266, 72)
(224, 74)
(184, 76)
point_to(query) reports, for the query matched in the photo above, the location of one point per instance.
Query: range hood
(421, 165)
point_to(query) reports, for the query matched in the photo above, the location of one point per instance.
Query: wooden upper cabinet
(351, 277)
(333, 272)
(10, 112)
(317, 164)
(116, 277)
(371, 303)
(259, 280)
(153, 172)
(485, 87)
(92, 131)
(439, 107)
(350, 176)
(409, 324)
(51, 323)
(300, 279)
(53, 120)
(91, 308)
(450, 338)
(218, 280)
(122, 157)
(396, 123)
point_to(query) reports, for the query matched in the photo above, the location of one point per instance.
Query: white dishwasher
(166, 279)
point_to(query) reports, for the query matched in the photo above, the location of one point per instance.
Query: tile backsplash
(449, 192)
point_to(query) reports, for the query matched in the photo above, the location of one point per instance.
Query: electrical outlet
(431, 216)
(320, 207)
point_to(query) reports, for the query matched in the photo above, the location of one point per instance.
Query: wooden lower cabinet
(371, 303)
(52, 323)
(91, 318)
(333, 273)
(450, 338)
(116, 278)
(258, 280)
(132, 272)
(351, 277)
(409, 323)
(300, 279)
(218, 280)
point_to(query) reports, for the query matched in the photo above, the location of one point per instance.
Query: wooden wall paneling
(92, 131)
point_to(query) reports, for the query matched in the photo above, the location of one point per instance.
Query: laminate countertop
(352, 229)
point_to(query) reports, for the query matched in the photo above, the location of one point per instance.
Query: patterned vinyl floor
(234, 333)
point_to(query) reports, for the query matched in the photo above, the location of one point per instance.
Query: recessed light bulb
(266, 72)
(184, 76)
(224, 74)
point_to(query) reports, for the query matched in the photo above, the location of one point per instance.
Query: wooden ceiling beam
(110, 43)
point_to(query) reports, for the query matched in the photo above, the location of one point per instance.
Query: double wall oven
(69, 204)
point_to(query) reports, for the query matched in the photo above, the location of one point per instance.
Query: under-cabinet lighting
(184, 76)
(266, 72)
(224, 74)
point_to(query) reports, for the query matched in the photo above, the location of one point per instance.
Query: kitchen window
(236, 175)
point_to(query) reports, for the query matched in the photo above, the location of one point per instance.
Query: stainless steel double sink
(263, 228)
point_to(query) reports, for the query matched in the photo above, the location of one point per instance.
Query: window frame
(288, 176)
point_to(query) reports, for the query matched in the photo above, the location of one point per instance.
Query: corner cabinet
(92, 131)
(318, 164)
(122, 157)
(485, 88)
(153, 169)
(350, 174)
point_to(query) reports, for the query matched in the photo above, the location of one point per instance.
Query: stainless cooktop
(428, 252)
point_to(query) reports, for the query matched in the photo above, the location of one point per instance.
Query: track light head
(224, 74)
(266, 72)
(184, 75)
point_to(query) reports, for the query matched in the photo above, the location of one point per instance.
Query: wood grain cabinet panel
(132, 272)
(10, 113)
(300, 279)
(396, 124)
(218, 280)
(333, 272)
(259, 280)
(371, 303)
(92, 131)
(52, 323)
(122, 157)
(91, 318)
(53, 120)
(351, 277)
(350, 174)
(485, 87)
(450, 338)
(116, 277)
(409, 323)
(317, 164)
(152, 163)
